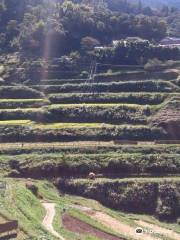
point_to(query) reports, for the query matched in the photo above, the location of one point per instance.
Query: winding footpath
(48, 219)
(107, 221)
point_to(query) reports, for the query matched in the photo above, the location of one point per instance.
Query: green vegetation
(132, 98)
(135, 51)
(42, 160)
(104, 133)
(104, 113)
(155, 74)
(15, 122)
(76, 105)
(30, 218)
(24, 207)
(69, 125)
(108, 164)
(18, 32)
(23, 92)
(129, 86)
(133, 195)
(22, 103)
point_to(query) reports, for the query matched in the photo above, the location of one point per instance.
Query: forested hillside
(28, 25)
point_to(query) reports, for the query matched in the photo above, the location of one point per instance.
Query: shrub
(154, 197)
(103, 114)
(135, 98)
(23, 133)
(131, 86)
(19, 92)
(32, 187)
(154, 65)
(168, 207)
(84, 74)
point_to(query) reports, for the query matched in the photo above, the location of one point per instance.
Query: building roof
(170, 41)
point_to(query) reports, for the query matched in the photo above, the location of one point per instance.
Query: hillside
(111, 125)
(89, 121)
(80, 218)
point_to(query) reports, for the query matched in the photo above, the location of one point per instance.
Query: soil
(114, 224)
(75, 225)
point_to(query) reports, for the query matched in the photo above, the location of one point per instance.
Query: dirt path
(160, 230)
(48, 220)
(120, 227)
(114, 224)
(77, 226)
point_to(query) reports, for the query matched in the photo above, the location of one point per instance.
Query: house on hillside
(129, 39)
(170, 42)
(123, 41)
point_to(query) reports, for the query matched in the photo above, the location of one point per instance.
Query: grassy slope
(30, 213)
(20, 204)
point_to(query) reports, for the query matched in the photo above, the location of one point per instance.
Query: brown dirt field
(78, 226)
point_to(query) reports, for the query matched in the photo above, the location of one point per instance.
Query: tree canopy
(61, 26)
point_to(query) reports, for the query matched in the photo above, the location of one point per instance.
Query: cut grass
(8, 100)
(21, 110)
(16, 122)
(35, 125)
(70, 125)
(84, 125)
(98, 105)
(175, 179)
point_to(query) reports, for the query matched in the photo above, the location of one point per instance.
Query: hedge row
(158, 197)
(61, 81)
(108, 164)
(135, 76)
(103, 114)
(19, 114)
(22, 104)
(28, 134)
(19, 92)
(138, 86)
(102, 68)
(139, 98)
(93, 149)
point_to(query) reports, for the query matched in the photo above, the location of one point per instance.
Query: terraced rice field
(71, 127)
